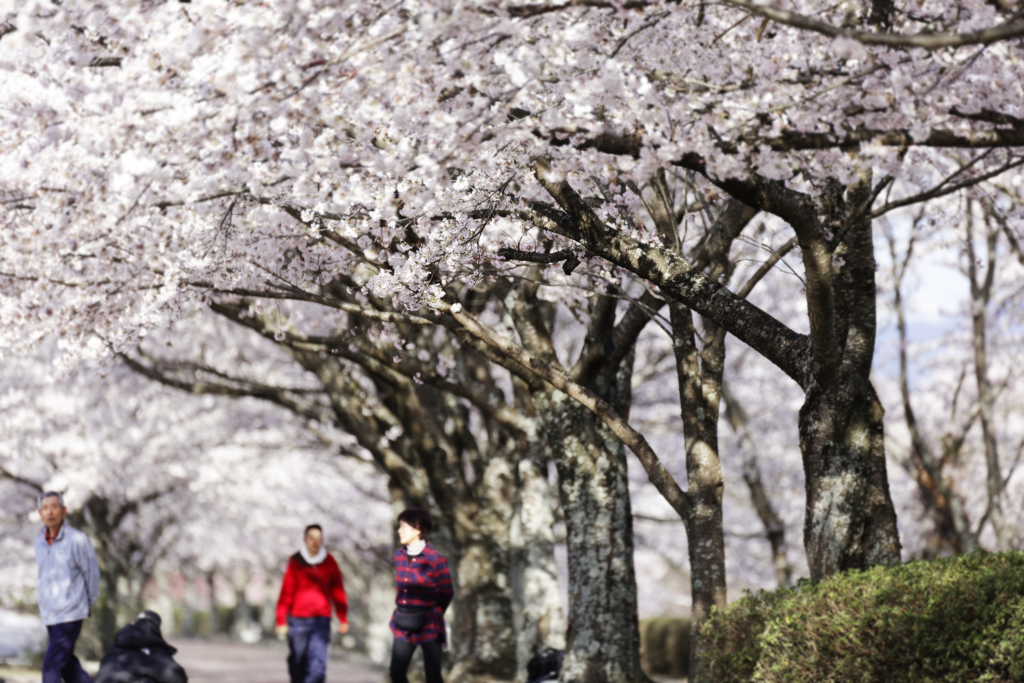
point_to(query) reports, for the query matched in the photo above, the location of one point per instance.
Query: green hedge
(951, 620)
(665, 646)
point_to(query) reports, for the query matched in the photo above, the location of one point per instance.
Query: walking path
(211, 662)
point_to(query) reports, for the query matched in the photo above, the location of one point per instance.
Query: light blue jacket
(69, 577)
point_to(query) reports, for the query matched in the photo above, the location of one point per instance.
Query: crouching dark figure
(140, 653)
(545, 666)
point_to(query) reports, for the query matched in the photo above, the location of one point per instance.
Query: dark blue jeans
(60, 661)
(308, 638)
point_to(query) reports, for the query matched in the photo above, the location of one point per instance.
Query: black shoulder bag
(410, 619)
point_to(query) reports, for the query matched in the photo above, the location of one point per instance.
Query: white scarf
(313, 559)
(416, 547)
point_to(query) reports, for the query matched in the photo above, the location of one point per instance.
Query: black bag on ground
(140, 653)
(545, 666)
(410, 619)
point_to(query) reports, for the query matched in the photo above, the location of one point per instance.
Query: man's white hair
(51, 494)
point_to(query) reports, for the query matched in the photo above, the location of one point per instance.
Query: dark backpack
(140, 653)
(545, 666)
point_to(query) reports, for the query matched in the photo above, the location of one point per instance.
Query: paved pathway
(210, 662)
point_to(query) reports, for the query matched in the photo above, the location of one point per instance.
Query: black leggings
(401, 655)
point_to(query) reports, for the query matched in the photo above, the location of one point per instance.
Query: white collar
(313, 559)
(416, 547)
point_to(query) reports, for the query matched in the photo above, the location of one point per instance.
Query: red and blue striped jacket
(423, 581)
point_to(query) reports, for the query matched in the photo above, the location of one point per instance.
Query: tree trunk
(700, 381)
(851, 521)
(103, 622)
(99, 630)
(537, 601)
(187, 628)
(241, 621)
(215, 625)
(944, 503)
(831, 364)
(483, 638)
(981, 292)
(603, 641)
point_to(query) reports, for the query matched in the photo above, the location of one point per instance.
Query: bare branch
(625, 39)
(7, 474)
(245, 388)
(759, 274)
(990, 116)
(490, 404)
(928, 41)
(656, 472)
(621, 339)
(676, 278)
(105, 61)
(296, 294)
(943, 189)
(528, 11)
(792, 140)
(567, 255)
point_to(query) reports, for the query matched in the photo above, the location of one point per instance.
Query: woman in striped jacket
(424, 592)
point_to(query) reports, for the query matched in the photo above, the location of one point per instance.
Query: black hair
(310, 528)
(418, 519)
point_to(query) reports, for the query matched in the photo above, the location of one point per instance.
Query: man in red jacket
(311, 583)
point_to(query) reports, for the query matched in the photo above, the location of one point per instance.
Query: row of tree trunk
(452, 442)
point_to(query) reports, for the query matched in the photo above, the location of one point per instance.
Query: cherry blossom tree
(49, 446)
(163, 157)
(148, 476)
(972, 379)
(429, 416)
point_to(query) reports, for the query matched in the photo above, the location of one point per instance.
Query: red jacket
(308, 590)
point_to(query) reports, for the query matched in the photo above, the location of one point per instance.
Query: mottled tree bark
(603, 641)
(537, 600)
(851, 522)
(700, 379)
(483, 634)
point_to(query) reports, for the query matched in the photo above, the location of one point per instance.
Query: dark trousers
(60, 661)
(308, 638)
(401, 655)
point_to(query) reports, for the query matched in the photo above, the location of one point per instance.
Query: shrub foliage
(665, 646)
(950, 620)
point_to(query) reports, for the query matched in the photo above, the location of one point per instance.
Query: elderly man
(69, 583)
(312, 582)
